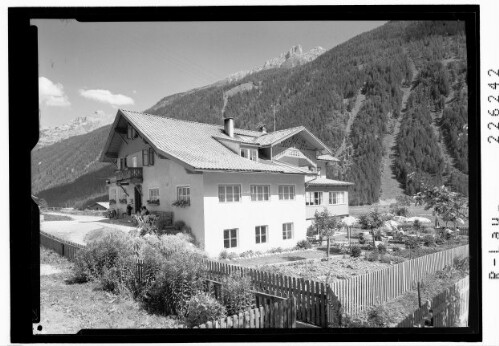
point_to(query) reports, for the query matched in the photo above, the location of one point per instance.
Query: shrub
(399, 210)
(311, 231)
(236, 292)
(396, 249)
(276, 250)
(201, 308)
(356, 251)
(386, 258)
(245, 254)
(179, 225)
(428, 230)
(303, 244)
(224, 254)
(180, 277)
(372, 256)
(439, 241)
(110, 259)
(429, 241)
(382, 248)
(362, 239)
(412, 243)
(378, 317)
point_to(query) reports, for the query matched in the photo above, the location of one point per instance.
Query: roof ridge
(208, 124)
(185, 120)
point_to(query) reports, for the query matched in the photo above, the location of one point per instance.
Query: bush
(382, 248)
(201, 308)
(236, 292)
(224, 254)
(372, 256)
(378, 317)
(411, 243)
(396, 249)
(232, 255)
(356, 251)
(179, 225)
(303, 244)
(245, 254)
(362, 239)
(390, 258)
(429, 241)
(276, 250)
(428, 230)
(180, 277)
(399, 210)
(110, 259)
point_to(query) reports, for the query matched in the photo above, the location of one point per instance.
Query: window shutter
(151, 157)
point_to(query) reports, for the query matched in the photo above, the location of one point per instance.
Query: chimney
(263, 129)
(229, 126)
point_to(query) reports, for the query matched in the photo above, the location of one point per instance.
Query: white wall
(245, 215)
(167, 175)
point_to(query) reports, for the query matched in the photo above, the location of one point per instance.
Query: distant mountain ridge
(292, 58)
(78, 126)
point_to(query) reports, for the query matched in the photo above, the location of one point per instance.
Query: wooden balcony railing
(129, 173)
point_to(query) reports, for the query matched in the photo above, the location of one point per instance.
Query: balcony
(129, 175)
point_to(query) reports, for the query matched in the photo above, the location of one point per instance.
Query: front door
(138, 199)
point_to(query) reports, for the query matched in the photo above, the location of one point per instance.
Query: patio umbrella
(350, 220)
(420, 219)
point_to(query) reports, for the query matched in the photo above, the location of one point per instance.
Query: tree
(326, 225)
(448, 205)
(372, 221)
(417, 226)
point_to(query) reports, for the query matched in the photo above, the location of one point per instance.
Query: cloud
(52, 94)
(106, 96)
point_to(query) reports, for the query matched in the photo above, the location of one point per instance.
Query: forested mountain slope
(322, 94)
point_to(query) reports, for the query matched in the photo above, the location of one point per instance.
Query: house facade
(237, 189)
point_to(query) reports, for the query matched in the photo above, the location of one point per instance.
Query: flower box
(112, 201)
(123, 201)
(153, 202)
(181, 203)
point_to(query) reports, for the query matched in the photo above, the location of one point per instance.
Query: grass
(67, 308)
(52, 217)
(279, 258)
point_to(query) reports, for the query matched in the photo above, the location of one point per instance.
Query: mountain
(292, 58)
(405, 75)
(79, 126)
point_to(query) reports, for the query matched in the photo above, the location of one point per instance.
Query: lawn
(279, 258)
(66, 308)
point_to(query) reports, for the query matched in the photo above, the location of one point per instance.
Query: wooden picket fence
(311, 296)
(277, 315)
(360, 292)
(450, 308)
(62, 247)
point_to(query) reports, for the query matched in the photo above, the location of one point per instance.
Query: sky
(92, 69)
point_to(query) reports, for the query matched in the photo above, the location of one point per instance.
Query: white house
(237, 189)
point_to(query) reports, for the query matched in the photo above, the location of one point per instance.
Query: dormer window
(251, 154)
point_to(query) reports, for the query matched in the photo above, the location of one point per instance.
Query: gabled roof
(321, 181)
(189, 143)
(327, 157)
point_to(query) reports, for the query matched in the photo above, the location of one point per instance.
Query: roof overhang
(106, 156)
(308, 136)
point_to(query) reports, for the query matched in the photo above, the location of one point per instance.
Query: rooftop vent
(263, 129)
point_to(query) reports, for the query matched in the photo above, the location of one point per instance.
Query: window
(287, 231)
(131, 133)
(318, 170)
(260, 192)
(145, 157)
(122, 163)
(134, 161)
(337, 197)
(286, 192)
(313, 198)
(184, 194)
(229, 193)
(154, 194)
(261, 234)
(251, 154)
(230, 238)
